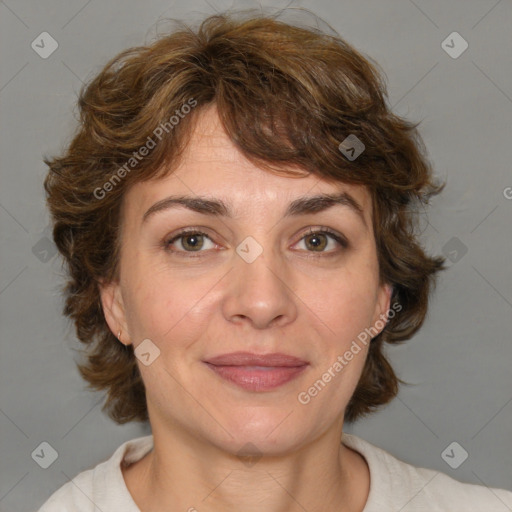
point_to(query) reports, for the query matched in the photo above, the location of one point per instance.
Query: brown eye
(316, 241)
(191, 241)
(323, 241)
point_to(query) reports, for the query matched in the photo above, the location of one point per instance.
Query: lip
(257, 372)
(250, 359)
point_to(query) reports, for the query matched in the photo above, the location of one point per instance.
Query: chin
(264, 431)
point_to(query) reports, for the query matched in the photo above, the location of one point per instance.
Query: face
(262, 269)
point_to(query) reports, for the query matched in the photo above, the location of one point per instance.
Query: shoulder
(396, 485)
(102, 487)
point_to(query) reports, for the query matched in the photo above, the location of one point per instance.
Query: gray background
(457, 366)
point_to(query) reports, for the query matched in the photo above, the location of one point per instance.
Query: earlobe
(387, 301)
(113, 309)
(383, 304)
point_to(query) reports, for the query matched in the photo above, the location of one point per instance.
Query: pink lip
(249, 359)
(257, 372)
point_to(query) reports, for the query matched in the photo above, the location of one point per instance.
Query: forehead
(212, 165)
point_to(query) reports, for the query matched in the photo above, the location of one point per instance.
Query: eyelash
(323, 230)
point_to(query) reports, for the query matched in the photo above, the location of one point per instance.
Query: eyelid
(170, 239)
(341, 239)
(325, 230)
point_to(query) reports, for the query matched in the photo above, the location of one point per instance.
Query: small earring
(119, 336)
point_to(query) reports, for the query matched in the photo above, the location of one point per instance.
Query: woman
(236, 211)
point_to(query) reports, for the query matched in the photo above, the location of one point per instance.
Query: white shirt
(395, 486)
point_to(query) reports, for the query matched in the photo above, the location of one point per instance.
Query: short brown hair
(286, 96)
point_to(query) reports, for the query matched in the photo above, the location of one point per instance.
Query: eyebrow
(218, 208)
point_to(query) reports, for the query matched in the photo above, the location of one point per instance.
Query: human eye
(189, 240)
(323, 240)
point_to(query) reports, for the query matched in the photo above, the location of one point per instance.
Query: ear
(114, 310)
(383, 303)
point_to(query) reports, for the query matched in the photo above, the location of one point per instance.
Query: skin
(295, 298)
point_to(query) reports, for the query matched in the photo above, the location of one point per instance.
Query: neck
(184, 473)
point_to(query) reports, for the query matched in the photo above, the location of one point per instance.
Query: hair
(287, 96)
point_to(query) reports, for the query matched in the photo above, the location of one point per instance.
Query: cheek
(164, 306)
(345, 305)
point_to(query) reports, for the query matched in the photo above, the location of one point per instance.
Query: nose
(260, 293)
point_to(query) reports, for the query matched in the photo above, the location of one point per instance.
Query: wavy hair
(286, 96)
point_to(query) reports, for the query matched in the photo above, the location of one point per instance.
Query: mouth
(257, 372)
